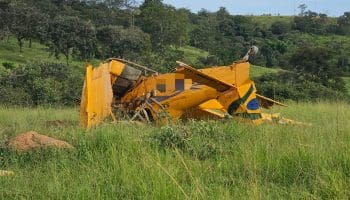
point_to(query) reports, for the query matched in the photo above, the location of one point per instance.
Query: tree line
(99, 29)
(153, 32)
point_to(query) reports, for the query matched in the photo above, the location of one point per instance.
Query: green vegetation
(42, 84)
(156, 34)
(258, 71)
(268, 20)
(192, 54)
(9, 53)
(205, 159)
(43, 49)
(347, 83)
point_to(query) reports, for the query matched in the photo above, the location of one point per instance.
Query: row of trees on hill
(99, 29)
(153, 32)
(96, 29)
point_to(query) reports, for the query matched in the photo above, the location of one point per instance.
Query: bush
(8, 65)
(41, 84)
(280, 27)
(199, 139)
(14, 96)
(287, 85)
(169, 137)
(206, 139)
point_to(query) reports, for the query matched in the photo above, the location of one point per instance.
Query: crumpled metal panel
(97, 97)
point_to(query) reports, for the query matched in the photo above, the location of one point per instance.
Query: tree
(25, 22)
(225, 23)
(312, 22)
(279, 27)
(244, 26)
(37, 26)
(130, 43)
(314, 63)
(344, 23)
(108, 38)
(302, 8)
(343, 64)
(204, 31)
(165, 24)
(86, 45)
(4, 19)
(268, 53)
(68, 34)
(112, 3)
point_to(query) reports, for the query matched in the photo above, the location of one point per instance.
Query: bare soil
(32, 140)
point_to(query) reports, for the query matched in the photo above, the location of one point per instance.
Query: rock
(32, 140)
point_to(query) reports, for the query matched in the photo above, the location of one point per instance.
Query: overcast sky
(258, 7)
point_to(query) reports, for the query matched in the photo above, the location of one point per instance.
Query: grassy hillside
(192, 54)
(9, 53)
(212, 160)
(256, 71)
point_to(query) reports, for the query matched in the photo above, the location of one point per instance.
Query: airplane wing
(202, 78)
(213, 107)
(266, 102)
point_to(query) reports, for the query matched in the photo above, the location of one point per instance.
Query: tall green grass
(190, 160)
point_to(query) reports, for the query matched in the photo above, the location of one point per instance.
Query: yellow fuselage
(215, 91)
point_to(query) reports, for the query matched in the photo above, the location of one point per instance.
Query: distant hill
(10, 55)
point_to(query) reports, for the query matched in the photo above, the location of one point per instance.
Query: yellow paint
(96, 103)
(116, 68)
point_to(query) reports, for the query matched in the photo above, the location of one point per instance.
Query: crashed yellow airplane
(117, 89)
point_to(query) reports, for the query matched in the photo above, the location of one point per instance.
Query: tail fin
(110, 79)
(97, 96)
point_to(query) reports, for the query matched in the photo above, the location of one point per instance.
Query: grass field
(192, 54)
(192, 160)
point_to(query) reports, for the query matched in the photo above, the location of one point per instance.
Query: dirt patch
(33, 140)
